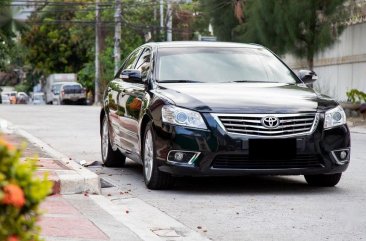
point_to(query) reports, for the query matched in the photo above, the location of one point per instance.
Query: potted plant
(354, 100)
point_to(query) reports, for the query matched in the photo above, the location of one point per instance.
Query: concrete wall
(342, 66)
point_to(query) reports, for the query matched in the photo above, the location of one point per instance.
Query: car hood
(244, 97)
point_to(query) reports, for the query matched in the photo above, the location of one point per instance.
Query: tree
(264, 24)
(11, 51)
(52, 48)
(222, 16)
(7, 25)
(301, 27)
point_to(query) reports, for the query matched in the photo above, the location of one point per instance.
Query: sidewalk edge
(79, 181)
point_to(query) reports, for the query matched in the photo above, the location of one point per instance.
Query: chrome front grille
(252, 124)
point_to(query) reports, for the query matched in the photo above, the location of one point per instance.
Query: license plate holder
(272, 149)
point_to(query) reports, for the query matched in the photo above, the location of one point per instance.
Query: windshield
(56, 88)
(69, 89)
(38, 97)
(215, 65)
(4, 97)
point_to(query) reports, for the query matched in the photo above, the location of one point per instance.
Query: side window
(144, 64)
(130, 61)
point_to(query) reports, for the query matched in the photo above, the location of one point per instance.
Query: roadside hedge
(21, 193)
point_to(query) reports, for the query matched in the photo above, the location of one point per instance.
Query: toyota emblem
(270, 122)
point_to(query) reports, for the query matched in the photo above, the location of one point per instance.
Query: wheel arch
(145, 120)
(101, 116)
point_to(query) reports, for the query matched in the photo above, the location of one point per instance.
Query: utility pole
(117, 36)
(161, 18)
(97, 49)
(155, 19)
(169, 16)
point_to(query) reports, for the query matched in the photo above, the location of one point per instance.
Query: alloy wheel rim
(148, 156)
(105, 140)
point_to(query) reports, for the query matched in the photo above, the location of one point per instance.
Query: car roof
(71, 83)
(66, 83)
(177, 44)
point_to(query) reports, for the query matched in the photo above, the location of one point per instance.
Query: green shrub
(356, 96)
(21, 193)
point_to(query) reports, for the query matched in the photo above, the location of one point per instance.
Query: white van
(69, 93)
(51, 83)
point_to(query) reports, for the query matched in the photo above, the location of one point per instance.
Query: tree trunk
(310, 61)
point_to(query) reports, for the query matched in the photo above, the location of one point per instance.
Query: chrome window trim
(312, 129)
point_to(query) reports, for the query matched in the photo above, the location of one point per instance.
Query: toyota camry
(220, 109)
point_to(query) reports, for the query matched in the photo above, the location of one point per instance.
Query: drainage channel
(105, 184)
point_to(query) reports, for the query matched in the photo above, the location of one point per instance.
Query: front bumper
(314, 152)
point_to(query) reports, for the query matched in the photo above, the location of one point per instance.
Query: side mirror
(307, 76)
(131, 75)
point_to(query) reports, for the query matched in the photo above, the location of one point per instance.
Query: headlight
(179, 116)
(334, 117)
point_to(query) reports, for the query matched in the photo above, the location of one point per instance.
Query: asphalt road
(245, 208)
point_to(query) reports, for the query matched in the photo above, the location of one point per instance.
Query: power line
(29, 3)
(58, 10)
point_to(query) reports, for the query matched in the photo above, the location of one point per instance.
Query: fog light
(343, 155)
(178, 156)
(182, 157)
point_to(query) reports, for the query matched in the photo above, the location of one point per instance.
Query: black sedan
(206, 109)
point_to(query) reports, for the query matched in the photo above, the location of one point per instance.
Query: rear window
(72, 88)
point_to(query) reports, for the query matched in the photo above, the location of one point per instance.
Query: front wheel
(110, 157)
(154, 178)
(323, 180)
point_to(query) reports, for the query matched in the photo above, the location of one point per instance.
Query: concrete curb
(358, 129)
(77, 179)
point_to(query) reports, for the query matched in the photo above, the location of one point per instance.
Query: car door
(114, 101)
(134, 99)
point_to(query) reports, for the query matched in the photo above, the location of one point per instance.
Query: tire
(323, 180)
(154, 178)
(110, 157)
(82, 102)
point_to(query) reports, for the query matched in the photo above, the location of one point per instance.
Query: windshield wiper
(248, 81)
(180, 81)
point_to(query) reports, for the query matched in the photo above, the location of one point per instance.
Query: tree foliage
(300, 27)
(6, 33)
(222, 17)
(62, 39)
(52, 47)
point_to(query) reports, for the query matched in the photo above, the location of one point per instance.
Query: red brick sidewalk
(61, 219)
(49, 166)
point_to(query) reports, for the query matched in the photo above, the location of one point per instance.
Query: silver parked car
(38, 99)
(71, 93)
(5, 99)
